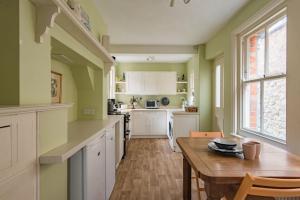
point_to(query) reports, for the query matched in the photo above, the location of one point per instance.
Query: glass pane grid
(264, 81)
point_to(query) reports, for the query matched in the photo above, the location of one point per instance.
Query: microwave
(151, 104)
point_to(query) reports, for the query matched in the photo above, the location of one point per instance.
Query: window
(219, 82)
(111, 85)
(218, 86)
(263, 79)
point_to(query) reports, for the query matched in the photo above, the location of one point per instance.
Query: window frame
(241, 57)
(219, 62)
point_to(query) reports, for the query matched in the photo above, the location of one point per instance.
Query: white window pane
(255, 55)
(277, 47)
(218, 86)
(274, 117)
(251, 106)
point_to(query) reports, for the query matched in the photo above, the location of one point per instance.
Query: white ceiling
(155, 22)
(154, 58)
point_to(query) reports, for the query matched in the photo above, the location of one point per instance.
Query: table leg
(186, 180)
(217, 191)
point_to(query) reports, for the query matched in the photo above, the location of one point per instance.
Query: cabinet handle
(99, 153)
(5, 126)
(112, 138)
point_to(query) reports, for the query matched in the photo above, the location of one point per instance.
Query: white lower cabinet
(93, 170)
(149, 123)
(110, 161)
(95, 165)
(182, 125)
(18, 157)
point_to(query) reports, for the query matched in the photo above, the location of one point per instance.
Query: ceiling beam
(153, 49)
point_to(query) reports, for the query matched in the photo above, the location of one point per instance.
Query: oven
(126, 133)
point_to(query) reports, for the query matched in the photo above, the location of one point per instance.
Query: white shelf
(181, 92)
(181, 82)
(120, 93)
(50, 11)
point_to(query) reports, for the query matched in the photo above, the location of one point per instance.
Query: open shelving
(50, 11)
(181, 82)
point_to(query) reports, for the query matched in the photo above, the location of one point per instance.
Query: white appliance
(151, 104)
(170, 129)
(94, 169)
(183, 123)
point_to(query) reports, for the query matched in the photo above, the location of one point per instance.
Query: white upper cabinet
(151, 83)
(135, 82)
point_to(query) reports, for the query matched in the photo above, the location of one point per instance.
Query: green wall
(9, 53)
(35, 60)
(25, 79)
(180, 68)
(221, 44)
(69, 88)
(201, 68)
(205, 90)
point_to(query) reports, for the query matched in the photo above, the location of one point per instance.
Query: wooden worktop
(80, 133)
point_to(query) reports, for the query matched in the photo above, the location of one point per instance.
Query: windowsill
(277, 143)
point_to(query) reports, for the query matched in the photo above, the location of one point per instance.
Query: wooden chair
(203, 135)
(267, 187)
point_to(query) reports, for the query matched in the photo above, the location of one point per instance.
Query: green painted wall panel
(9, 53)
(205, 94)
(35, 60)
(52, 133)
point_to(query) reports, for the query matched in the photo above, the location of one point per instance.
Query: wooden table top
(211, 166)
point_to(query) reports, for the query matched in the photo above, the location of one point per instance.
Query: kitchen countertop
(162, 108)
(185, 113)
(80, 133)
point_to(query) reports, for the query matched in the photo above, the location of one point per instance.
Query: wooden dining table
(222, 174)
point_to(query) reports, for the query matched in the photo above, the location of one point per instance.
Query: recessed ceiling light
(150, 58)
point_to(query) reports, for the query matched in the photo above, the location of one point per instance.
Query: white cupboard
(110, 161)
(18, 157)
(94, 186)
(135, 82)
(119, 150)
(183, 124)
(151, 83)
(147, 123)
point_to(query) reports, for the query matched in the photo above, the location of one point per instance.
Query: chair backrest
(207, 134)
(268, 187)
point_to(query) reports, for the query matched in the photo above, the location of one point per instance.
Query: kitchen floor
(150, 171)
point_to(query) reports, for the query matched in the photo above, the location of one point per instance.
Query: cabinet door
(18, 157)
(121, 140)
(151, 80)
(140, 123)
(135, 83)
(110, 161)
(158, 122)
(183, 124)
(95, 170)
(167, 83)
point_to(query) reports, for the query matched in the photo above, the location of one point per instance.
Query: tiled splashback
(175, 100)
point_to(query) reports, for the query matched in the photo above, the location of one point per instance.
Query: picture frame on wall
(56, 87)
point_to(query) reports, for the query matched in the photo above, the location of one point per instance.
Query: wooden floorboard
(150, 171)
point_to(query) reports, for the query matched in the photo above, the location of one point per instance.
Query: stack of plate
(225, 146)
